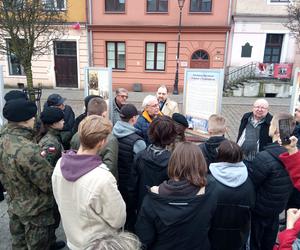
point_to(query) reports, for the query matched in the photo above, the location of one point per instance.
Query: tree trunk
(29, 79)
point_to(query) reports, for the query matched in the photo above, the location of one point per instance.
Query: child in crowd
(85, 190)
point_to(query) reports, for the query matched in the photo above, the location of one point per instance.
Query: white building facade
(258, 33)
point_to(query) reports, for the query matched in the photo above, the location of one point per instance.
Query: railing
(233, 78)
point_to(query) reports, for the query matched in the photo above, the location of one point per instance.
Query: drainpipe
(227, 34)
(89, 32)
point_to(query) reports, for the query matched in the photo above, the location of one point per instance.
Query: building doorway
(200, 60)
(65, 64)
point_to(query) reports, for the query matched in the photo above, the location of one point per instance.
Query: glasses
(297, 110)
(260, 107)
(154, 105)
(124, 96)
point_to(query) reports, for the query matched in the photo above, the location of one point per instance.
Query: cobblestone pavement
(232, 109)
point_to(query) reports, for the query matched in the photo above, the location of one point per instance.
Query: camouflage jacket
(51, 146)
(25, 174)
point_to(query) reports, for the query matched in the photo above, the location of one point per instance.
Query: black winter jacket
(176, 223)
(150, 169)
(271, 181)
(264, 137)
(231, 223)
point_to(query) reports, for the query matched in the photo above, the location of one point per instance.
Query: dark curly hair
(162, 131)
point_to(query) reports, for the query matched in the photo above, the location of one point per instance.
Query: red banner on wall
(283, 70)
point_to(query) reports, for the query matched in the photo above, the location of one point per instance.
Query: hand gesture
(293, 214)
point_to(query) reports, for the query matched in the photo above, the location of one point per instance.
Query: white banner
(203, 90)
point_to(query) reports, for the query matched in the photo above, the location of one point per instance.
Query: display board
(295, 100)
(203, 90)
(1, 95)
(98, 81)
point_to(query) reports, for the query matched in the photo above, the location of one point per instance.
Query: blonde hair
(115, 241)
(92, 130)
(216, 124)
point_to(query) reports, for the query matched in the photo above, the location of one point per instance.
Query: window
(62, 48)
(273, 48)
(115, 5)
(14, 65)
(200, 6)
(155, 56)
(115, 55)
(157, 5)
(200, 55)
(55, 4)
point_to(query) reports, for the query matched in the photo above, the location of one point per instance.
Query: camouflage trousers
(29, 235)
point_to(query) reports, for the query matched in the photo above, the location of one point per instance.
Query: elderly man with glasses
(150, 111)
(118, 103)
(253, 133)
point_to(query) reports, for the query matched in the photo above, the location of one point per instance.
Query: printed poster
(203, 90)
(98, 81)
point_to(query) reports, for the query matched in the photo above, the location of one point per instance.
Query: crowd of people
(136, 182)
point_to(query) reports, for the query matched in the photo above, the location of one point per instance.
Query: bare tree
(293, 23)
(27, 29)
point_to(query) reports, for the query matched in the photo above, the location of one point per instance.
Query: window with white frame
(14, 66)
(155, 56)
(55, 4)
(115, 55)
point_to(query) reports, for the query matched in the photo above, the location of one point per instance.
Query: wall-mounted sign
(283, 70)
(203, 90)
(183, 64)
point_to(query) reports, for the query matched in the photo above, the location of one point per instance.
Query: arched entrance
(200, 59)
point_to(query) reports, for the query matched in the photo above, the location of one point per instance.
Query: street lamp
(180, 5)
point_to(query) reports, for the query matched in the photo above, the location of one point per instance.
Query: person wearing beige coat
(166, 105)
(85, 191)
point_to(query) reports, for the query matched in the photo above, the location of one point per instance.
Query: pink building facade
(138, 39)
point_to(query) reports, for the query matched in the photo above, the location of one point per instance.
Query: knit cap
(179, 118)
(51, 115)
(19, 110)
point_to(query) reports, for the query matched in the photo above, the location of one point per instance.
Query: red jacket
(292, 165)
(287, 237)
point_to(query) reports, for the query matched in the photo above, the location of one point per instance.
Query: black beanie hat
(19, 110)
(15, 94)
(128, 111)
(179, 118)
(51, 115)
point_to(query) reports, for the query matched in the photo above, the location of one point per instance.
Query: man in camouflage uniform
(27, 178)
(11, 95)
